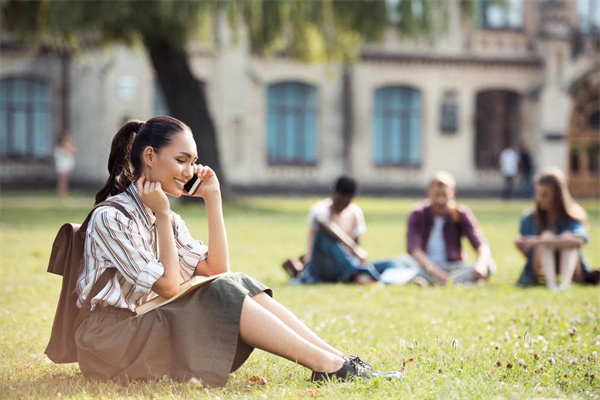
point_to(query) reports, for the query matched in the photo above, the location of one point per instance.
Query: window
(588, 12)
(449, 113)
(159, 106)
(291, 124)
(397, 126)
(25, 119)
(505, 14)
(497, 126)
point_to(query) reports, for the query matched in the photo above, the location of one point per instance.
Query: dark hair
(125, 160)
(345, 185)
(564, 205)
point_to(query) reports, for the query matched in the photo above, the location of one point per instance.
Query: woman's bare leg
(260, 328)
(568, 263)
(294, 322)
(61, 185)
(548, 261)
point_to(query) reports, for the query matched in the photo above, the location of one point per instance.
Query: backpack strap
(114, 204)
(107, 275)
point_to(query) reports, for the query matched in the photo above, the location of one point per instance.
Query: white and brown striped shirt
(130, 246)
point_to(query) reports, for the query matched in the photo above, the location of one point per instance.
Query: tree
(308, 30)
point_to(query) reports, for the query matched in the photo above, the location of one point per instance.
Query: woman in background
(64, 162)
(552, 235)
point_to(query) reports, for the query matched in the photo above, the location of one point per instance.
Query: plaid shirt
(131, 246)
(420, 223)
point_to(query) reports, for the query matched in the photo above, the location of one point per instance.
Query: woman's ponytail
(120, 170)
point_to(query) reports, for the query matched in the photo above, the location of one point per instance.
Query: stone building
(407, 108)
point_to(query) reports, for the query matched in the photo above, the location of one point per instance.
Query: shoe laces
(360, 363)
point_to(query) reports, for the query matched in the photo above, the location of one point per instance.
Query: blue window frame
(397, 126)
(25, 118)
(291, 124)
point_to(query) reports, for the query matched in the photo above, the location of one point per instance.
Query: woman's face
(172, 165)
(544, 197)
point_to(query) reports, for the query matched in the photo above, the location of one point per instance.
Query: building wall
(112, 85)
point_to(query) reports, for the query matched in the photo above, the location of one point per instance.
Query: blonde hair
(447, 181)
(564, 204)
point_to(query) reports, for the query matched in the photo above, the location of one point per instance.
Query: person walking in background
(332, 250)
(552, 235)
(509, 167)
(525, 171)
(435, 228)
(64, 162)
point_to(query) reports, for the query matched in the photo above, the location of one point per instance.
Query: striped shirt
(131, 246)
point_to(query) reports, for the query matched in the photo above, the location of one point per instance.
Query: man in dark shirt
(434, 231)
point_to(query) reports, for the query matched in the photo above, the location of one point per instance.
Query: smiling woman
(205, 334)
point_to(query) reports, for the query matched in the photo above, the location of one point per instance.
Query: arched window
(397, 126)
(291, 124)
(25, 118)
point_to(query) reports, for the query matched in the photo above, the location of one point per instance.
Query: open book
(334, 231)
(185, 288)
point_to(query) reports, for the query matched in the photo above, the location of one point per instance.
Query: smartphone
(192, 185)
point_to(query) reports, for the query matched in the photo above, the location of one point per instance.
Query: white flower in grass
(551, 360)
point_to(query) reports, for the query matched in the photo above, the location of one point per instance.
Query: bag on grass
(65, 260)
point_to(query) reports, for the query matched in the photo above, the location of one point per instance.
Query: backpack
(66, 260)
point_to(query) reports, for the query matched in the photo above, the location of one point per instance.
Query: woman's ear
(149, 156)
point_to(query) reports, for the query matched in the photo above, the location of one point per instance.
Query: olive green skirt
(195, 336)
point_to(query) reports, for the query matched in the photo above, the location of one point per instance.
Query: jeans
(459, 271)
(330, 263)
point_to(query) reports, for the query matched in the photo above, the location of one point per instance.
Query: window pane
(26, 127)
(3, 132)
(19, 134)
(19, 93)
(397, 126)
(41, 136)
(291, 136)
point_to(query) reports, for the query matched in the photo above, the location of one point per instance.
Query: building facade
(407, 108)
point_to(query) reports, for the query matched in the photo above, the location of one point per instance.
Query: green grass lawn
(498, 341)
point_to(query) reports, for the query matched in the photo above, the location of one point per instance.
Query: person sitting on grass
(552, 235)
(435, 228)
(206, 334)
(333, 253)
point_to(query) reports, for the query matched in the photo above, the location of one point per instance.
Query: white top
(509, 162)
(130, 245)
(351, 219)
(63, 161)
(436, 246)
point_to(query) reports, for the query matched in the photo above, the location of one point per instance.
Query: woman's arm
(563, 241)
(152, 195)
(217, 260)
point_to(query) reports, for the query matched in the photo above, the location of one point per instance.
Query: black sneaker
(347, 371)
(366, 371)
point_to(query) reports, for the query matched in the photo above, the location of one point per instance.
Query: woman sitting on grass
(552, 235)
(205, 334)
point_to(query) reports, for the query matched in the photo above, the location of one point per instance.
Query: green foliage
(450, 343)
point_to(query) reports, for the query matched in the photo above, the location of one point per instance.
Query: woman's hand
(152, 196)
(210, 183)
(524, 243)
